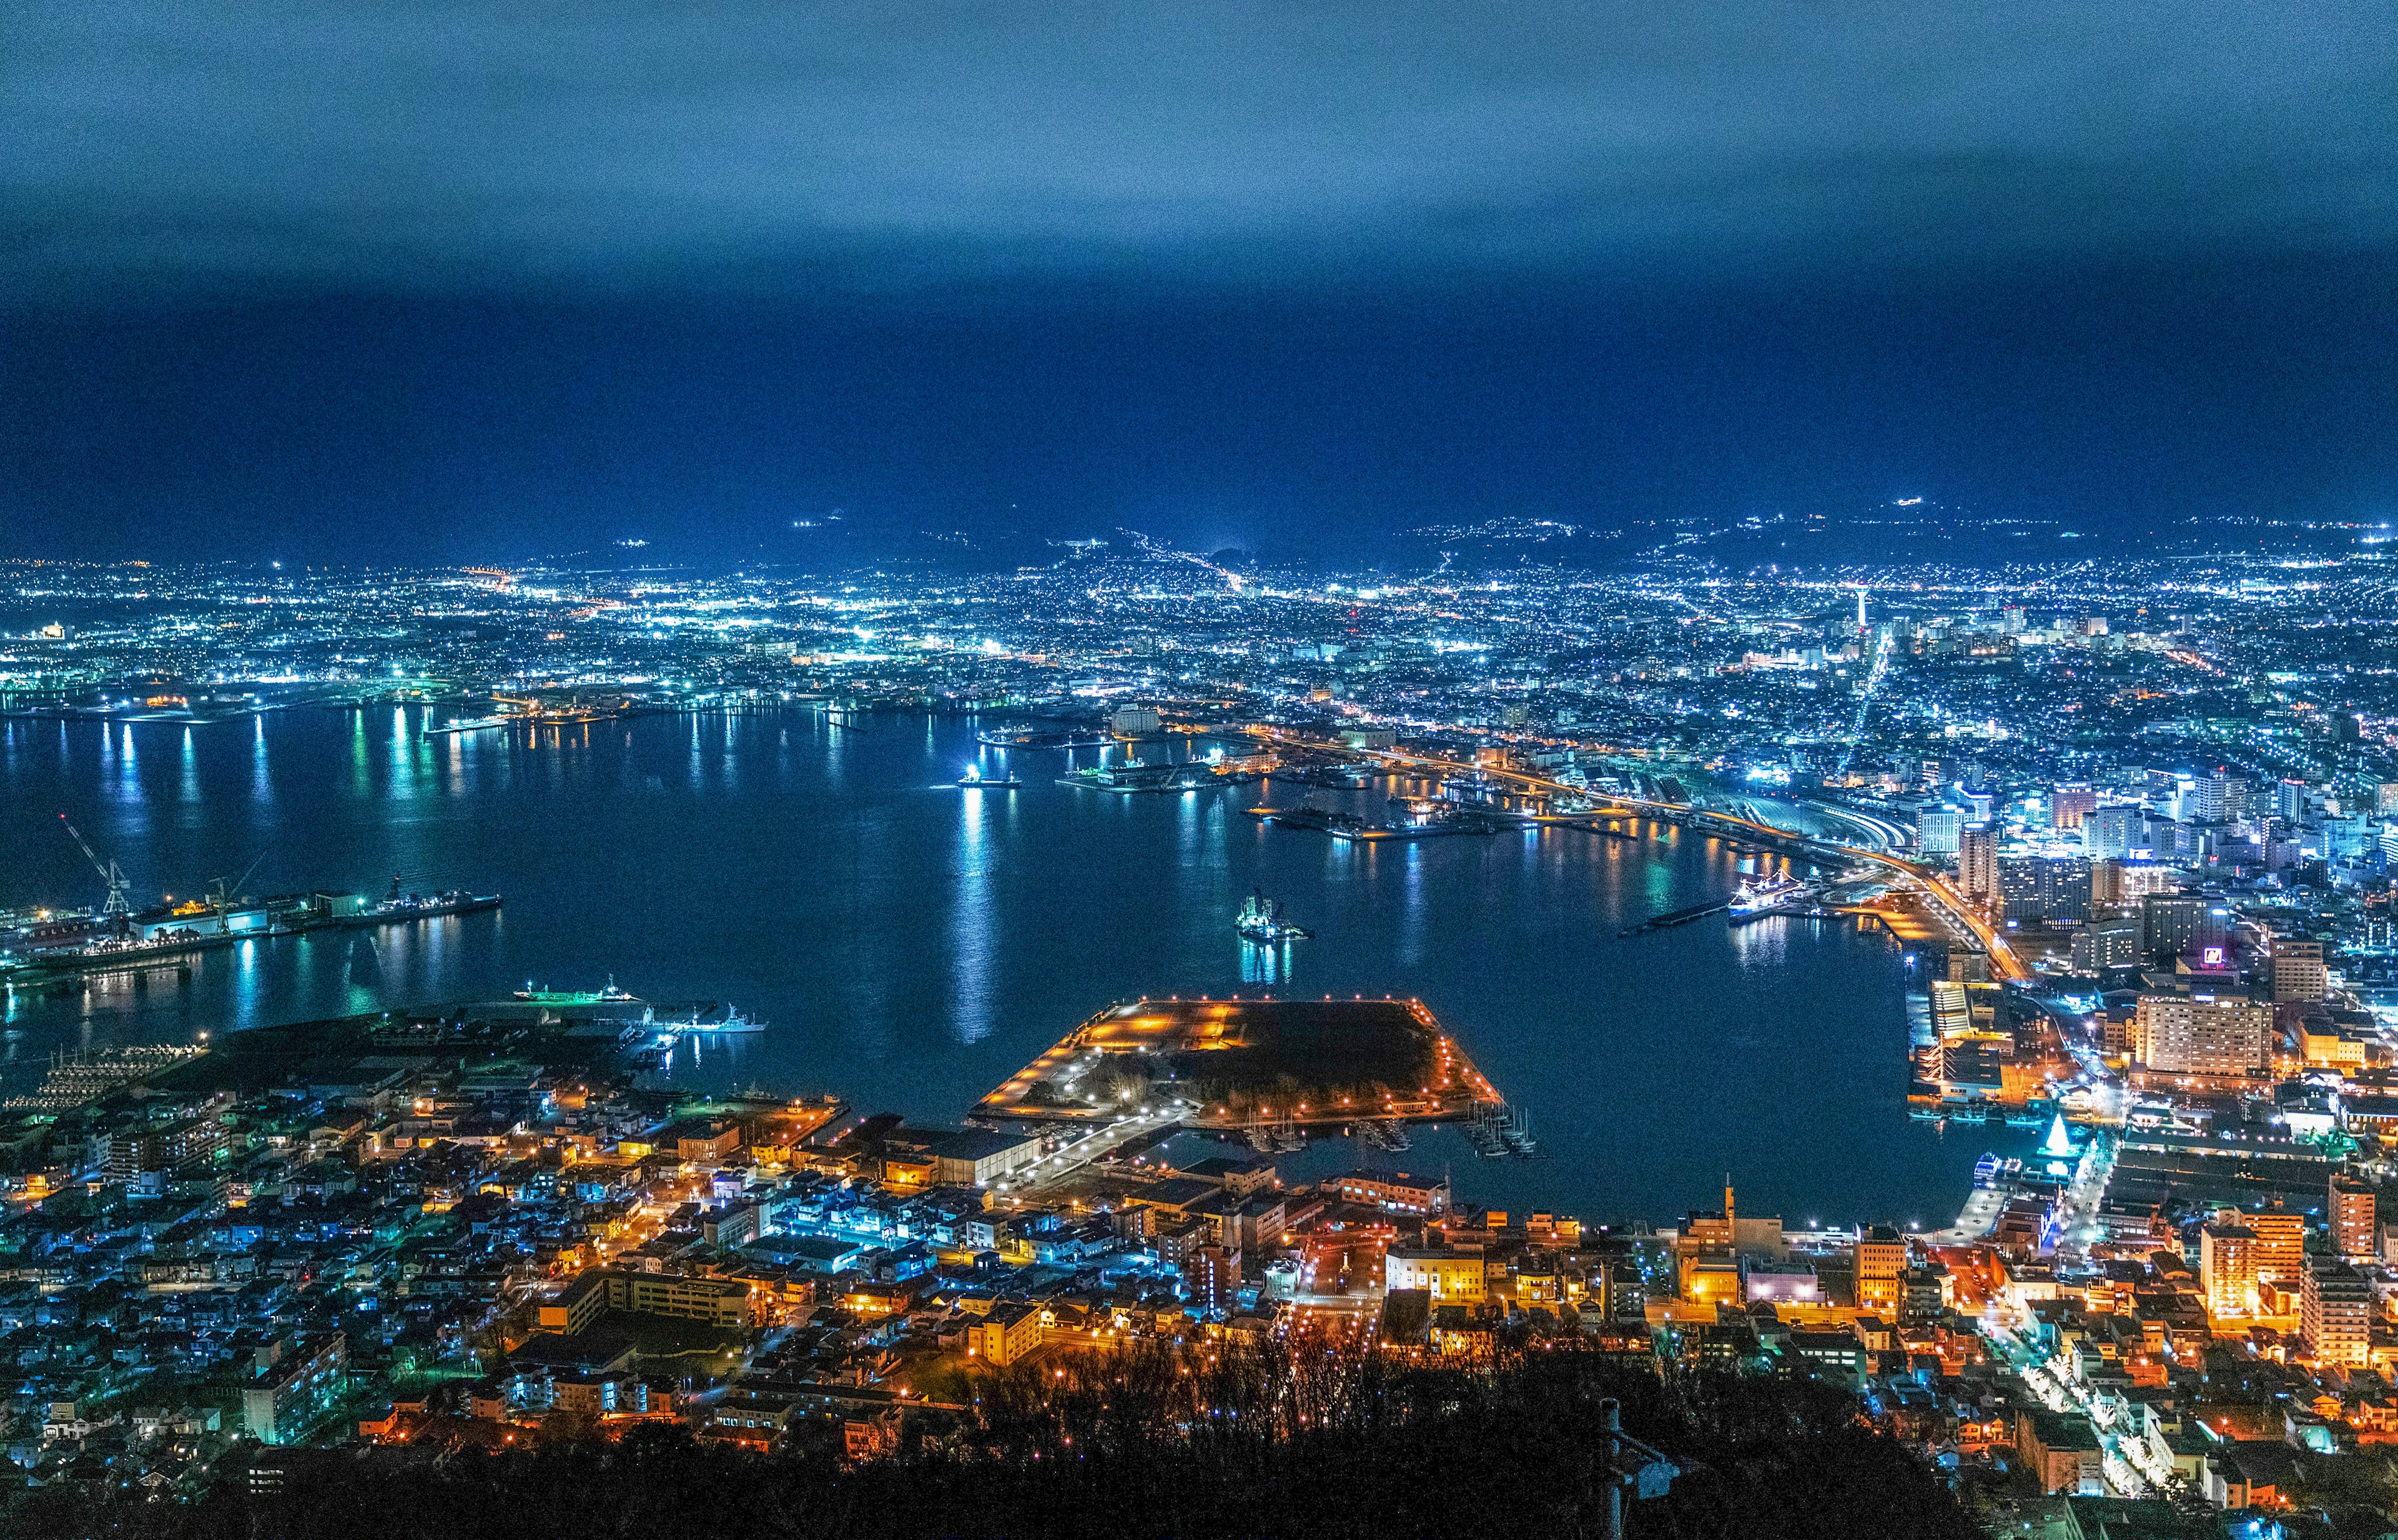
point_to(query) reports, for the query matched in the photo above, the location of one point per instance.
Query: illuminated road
(2004, 961)
(1072, 1157)
(2132, 1469)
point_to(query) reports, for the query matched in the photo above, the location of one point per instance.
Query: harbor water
(911, 943)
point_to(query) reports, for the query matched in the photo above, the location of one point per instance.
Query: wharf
(1786, 911)
(1349, 827)
(472, 724)
(1158, 779)
(1981, 1211)
(1673, 917)
(1225, 1065)
(176, 951)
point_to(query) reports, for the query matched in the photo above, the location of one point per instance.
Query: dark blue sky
(482, 281)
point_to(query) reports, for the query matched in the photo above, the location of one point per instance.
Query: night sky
(472, 281)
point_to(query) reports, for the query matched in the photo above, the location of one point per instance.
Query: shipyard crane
(118, 912)
(221, 894)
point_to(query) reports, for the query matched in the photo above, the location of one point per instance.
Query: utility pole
(1631, 1466)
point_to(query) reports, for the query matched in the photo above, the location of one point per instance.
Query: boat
(469, 725)
(732, 1022)
(974, 781)
(1755, 897)
(399, 906)
(1987, 1169)
(1262, 921)
(610, 995)
(1041, 740)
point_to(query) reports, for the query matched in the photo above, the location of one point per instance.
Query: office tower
(1977, 864)
(1936, 829)
(2290, 799)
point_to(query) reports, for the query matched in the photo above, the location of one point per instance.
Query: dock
(1673, 917)
(1349, 827)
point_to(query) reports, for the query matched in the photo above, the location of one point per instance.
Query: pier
(1673, 917)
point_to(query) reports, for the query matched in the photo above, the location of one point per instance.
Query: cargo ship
(1262, 921)
(974, 781)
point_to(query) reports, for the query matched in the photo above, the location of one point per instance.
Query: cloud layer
(193, 146)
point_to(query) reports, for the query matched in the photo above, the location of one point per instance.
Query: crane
(221, 894)
(116, 911)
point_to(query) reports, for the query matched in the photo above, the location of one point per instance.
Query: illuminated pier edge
(1201, 1023)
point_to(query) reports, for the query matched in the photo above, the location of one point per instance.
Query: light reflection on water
(912, 944)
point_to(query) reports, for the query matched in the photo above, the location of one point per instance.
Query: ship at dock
(1261, 919)
(1030, 738)
(1768, 896)
(57, 946)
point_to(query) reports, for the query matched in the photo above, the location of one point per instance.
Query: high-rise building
(2290, 799)
(2200, 1033)
(2216, 798)
(2385, 798)
(2226, 1268)
(2336, 1312)
(2281, 1246)
(2299, 971)
(1936, 829)
(2105, 944)
(2106, 833)
(1977, 864)
(2354, 1231)
(2172, 924)
(2044, 887)
(2069, 806)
